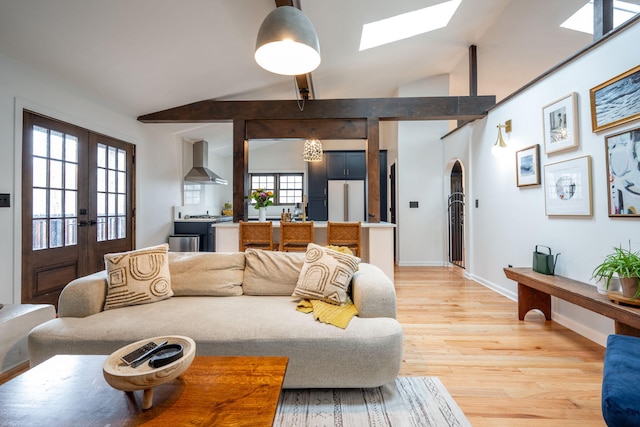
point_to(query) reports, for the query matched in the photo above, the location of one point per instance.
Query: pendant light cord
(297, 90)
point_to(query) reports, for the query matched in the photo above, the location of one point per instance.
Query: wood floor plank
(501, 371)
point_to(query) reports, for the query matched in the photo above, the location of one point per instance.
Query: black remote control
(129, 358)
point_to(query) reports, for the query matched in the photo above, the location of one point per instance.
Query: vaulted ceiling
(144, 56)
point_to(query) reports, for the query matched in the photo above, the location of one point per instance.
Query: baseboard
(494, 287)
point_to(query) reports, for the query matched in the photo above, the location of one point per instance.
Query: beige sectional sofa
(238, 304)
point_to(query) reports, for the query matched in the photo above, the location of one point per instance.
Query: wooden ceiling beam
(421, 108)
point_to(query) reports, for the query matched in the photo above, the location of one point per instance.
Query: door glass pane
(39, 172)
(111, 204)
(70, 203)
(100, 175)
(122, 227)
(111, 187)
(102, 204)
(122, 182)
(39, 234)
(71, 232)
(102, 156)
(71, 176)
(101, 229)
(56, 145)
(40, 141)
(122, 204)
(55, 203)
(112, 158)
(122, 160)
(55, 177)
(71, 149)
(112, 228)
(55, 240)
(39, 203)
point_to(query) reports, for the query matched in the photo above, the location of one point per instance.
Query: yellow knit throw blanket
(336, 315)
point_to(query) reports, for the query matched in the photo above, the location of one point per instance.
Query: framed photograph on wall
(567, 187)
(616, 101)
(528, 166)
(623, 173)
(560, 123)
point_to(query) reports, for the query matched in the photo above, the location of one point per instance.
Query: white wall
(156, 167)
(510, 221)
(420, 173)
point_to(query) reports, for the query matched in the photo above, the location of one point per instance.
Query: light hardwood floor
(500, 371)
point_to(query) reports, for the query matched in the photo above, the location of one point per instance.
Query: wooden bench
(535, 291)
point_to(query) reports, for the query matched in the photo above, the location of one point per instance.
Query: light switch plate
(5, 200)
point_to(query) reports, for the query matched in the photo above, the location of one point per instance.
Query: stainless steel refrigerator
(346, 200)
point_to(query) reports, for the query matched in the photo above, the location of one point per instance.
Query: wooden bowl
(123, 377)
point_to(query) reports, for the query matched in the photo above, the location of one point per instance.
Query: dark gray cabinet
(346, 165)
(317, 191)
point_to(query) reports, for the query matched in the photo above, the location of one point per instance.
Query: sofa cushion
(271, 272)
(206, 273)
(326, 274)
(137, 277)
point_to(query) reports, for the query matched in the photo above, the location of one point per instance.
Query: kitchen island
(377, 241)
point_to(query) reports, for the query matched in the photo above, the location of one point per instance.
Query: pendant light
(312, 151)
(287, 43)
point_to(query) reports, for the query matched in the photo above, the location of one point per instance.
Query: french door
(77, 204)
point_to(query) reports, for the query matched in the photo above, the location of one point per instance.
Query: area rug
(409, 401)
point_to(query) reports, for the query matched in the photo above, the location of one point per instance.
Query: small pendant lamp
(312, 151)
(287, 43)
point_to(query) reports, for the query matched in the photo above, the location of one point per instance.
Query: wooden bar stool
(295, 236)
(345, 234)
(256, 235)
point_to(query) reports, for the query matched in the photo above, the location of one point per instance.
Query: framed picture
(528, 166)
(567, 187)
(616, 101)
(623, 173)
(560, 123)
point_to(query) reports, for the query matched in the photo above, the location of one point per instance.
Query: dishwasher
(184, 243)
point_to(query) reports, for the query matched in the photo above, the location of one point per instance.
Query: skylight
(407, 25)
(582, 20)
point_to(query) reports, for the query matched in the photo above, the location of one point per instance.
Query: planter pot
(629, 286)
(262, 214)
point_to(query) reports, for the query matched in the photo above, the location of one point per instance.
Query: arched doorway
(455, 211)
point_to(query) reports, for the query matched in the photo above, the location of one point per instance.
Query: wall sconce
(312, 151)
(500, 146)
(287, 43)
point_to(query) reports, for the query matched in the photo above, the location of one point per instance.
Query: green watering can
(544, 263)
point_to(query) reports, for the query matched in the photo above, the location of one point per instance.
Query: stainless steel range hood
(200, 171)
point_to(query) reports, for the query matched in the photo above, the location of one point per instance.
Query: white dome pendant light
(287, 43)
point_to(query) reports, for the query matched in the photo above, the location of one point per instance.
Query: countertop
(316, 224)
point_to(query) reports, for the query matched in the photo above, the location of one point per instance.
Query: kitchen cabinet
(346, 165)
(317, 191)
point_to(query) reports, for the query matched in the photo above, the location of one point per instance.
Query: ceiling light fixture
(500, 146)
(287, 43)
(312, 151)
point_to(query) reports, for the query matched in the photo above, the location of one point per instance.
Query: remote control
(129, 358)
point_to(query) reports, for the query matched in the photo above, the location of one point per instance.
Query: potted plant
(262, 199)
(626, 265)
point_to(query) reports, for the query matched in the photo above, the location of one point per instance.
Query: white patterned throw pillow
(138, 277)
(326, 275)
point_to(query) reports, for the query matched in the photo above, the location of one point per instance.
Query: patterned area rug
(409, 401)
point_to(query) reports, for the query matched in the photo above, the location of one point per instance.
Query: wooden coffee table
(214, 391)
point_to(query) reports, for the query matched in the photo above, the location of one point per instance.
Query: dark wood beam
(473, 70)
(373, 169)
(602, 18)
(320, 129)
(240, 171)
(423, 108)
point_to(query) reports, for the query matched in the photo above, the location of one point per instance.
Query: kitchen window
(286, 186)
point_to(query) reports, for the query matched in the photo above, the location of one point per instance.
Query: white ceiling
(142, 56)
